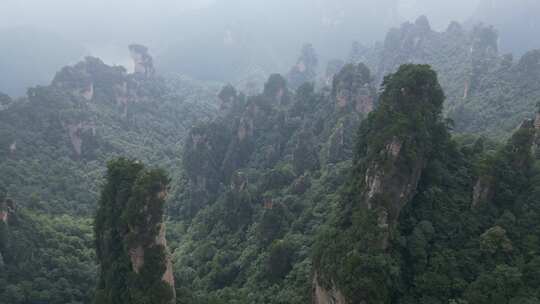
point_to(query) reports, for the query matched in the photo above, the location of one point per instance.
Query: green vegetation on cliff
(54, 143)
(487, 92)
(130, 241)
(331, 192)
(257, 184)
(467, 231)
(394, 144)
(54, 146)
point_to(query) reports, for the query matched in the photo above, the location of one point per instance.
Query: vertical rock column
(395, 144)
(135, 264)
(144, 64)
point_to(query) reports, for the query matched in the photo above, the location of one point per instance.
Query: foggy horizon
(103, 27)
(177, 31)
(270, 152)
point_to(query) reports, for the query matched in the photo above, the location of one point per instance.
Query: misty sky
(105, 27)
(96, 18)
(273, 29)
(110, 19)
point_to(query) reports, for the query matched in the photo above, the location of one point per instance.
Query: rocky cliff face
(7, 214)
(466, 54)
(89, 81)
(138, 252)
(305, 69)
(322, 295)
(352, 89)
(395, 145)
(471, 71)
(92, 81)
(77, 80)
(130, 230)
(7, 210)
(387, 225)
(519, 152)
(75, 132)
(482, 191)
(392, 173)
(406, 44)
(263, 124)
(214, 151)
(385, 179)
(143, 62)
(250, 171)
(91, 112)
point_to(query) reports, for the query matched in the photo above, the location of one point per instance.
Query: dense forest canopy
(319, 170)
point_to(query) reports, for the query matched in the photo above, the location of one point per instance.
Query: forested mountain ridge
(54, 145)
(422, 220)
(250, 178)
(339, 192)
(487, 93)
(90, 113)
(391, 210)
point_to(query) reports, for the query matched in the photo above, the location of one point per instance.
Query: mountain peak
(144, 63)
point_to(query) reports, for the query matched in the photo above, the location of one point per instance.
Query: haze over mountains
(272, 152)
(223, 48)
(517, 22)
(209, 40)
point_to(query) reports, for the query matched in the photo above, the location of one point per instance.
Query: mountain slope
(422, 220)
(257, 182)
(54, 145)
(334, 193)
(62, 135)
(274, 207)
